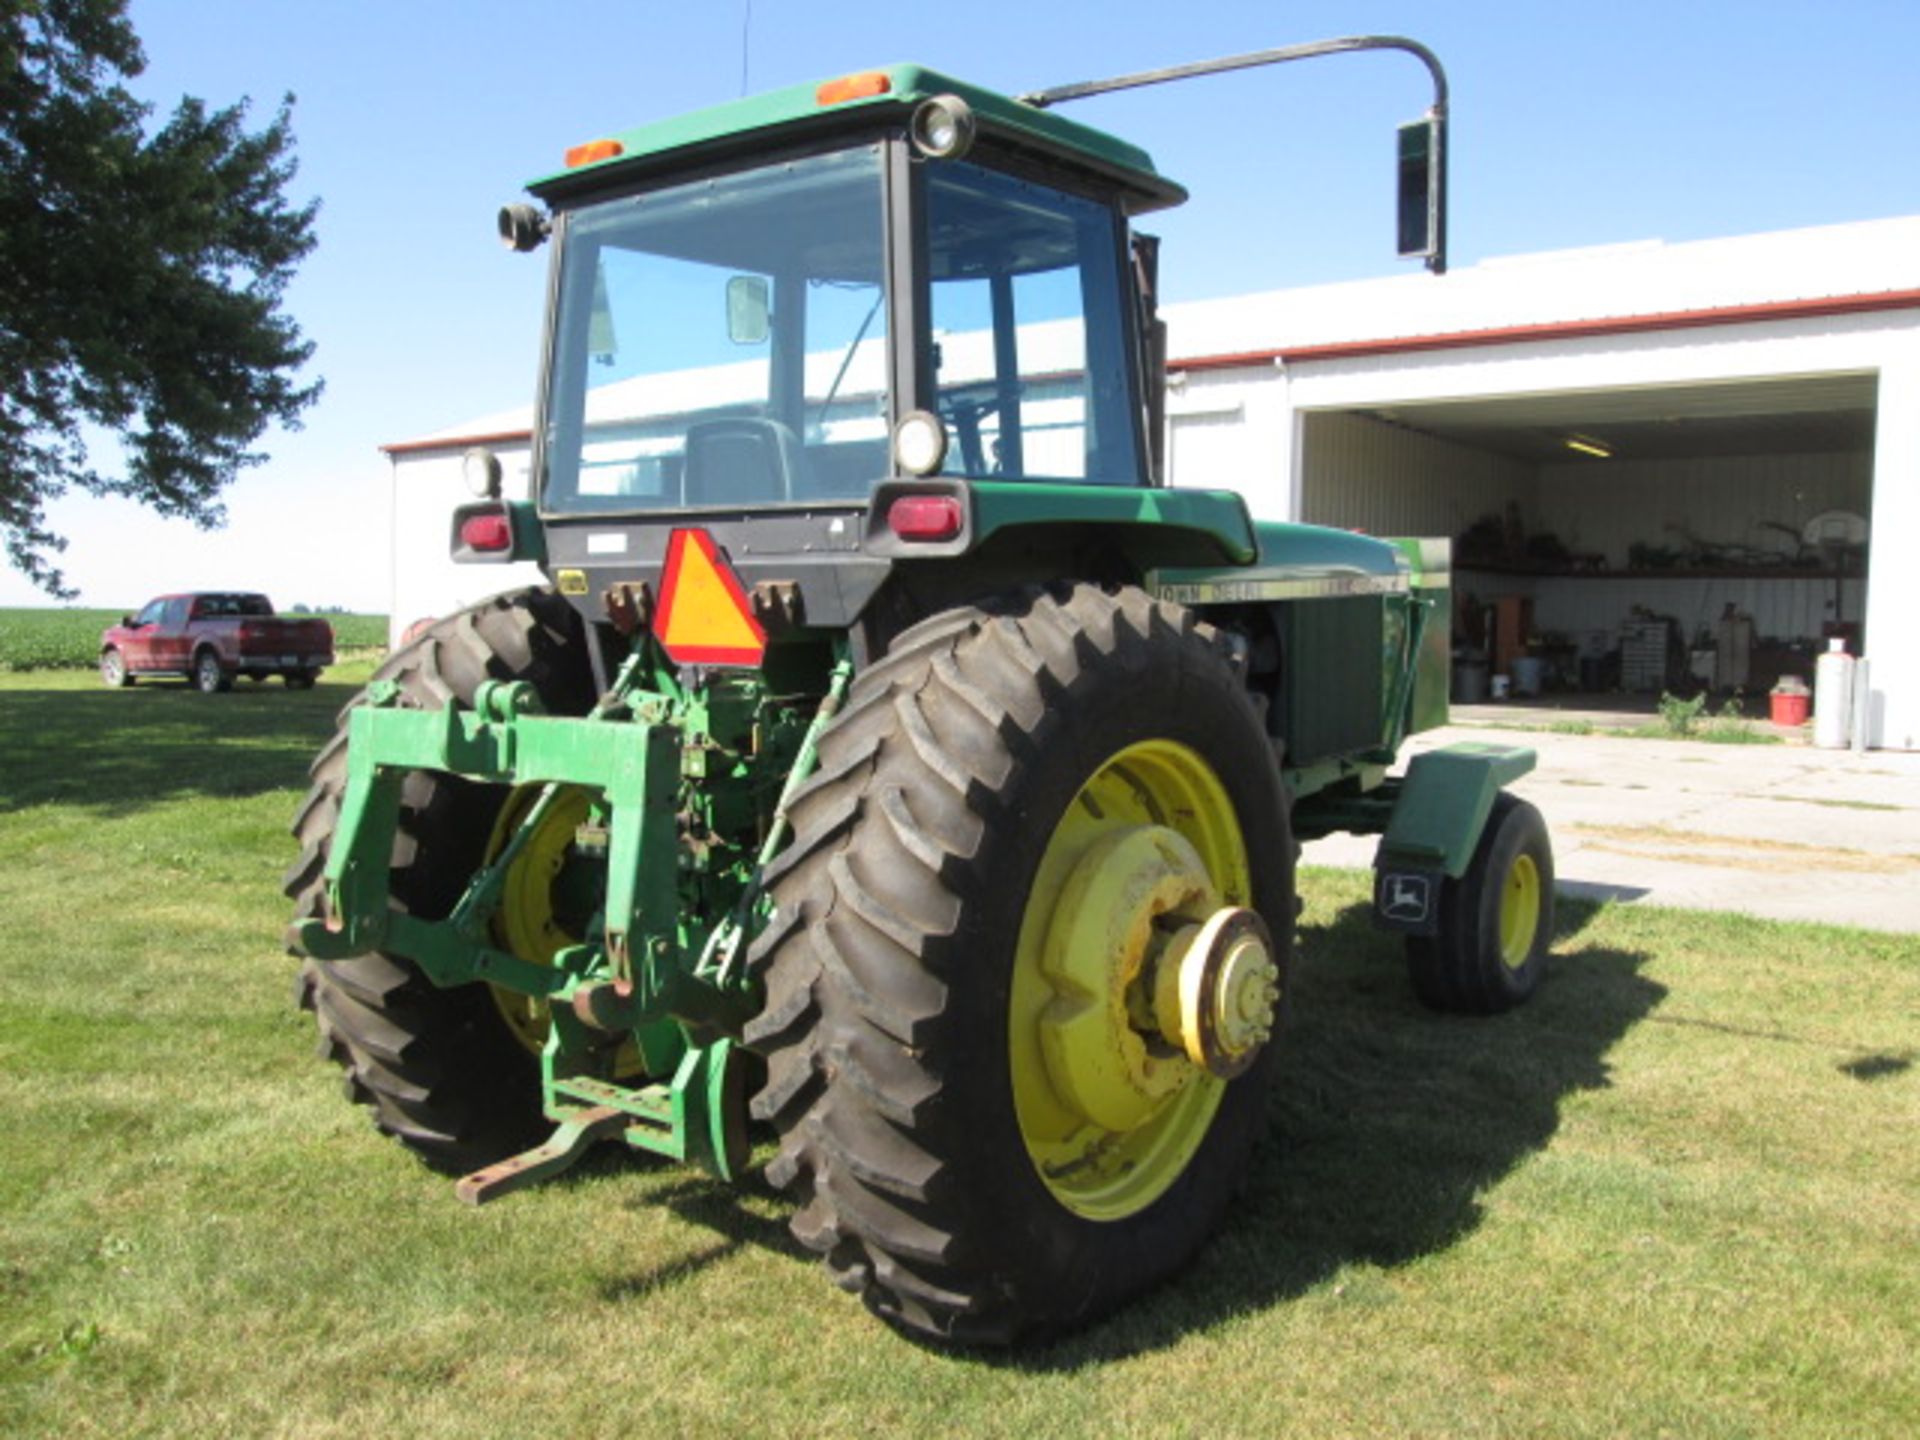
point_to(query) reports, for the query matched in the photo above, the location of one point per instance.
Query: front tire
(961, 1161)
(443, 1071)
(114, 673)
(1496, 921)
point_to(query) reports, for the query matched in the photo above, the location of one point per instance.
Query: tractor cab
(898, 278)
(775, 306)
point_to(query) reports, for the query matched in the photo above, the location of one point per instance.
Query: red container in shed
(1790, 707)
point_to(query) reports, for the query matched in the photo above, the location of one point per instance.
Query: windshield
(723, 343)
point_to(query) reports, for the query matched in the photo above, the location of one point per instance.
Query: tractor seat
(742, 461)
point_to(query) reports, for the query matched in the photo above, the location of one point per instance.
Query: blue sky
(1573, 125)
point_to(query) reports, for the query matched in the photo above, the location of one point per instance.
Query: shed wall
(1362, 474)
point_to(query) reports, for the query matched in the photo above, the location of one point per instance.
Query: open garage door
(1624, 541)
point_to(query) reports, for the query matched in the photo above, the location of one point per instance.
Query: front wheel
(113, 670)
(1496, 921)
(209, 676)
(1028, 946)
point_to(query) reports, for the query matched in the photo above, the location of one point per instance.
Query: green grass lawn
(1678, 1194)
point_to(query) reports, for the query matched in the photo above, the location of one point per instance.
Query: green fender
(1443, 804)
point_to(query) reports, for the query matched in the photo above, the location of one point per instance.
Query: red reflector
(925, 517)
(853, 87)
(593, 150)
(486, 533)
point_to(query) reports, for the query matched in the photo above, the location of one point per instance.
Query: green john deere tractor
(894, 758)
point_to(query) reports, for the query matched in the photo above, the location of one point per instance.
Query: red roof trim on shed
(1564, 330)
(450, 442)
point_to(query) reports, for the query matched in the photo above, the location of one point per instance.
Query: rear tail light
(488, 533)
(925, 517)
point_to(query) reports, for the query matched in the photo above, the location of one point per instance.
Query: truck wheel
(113, 669)
(442, 1070)
(300, 679)
(1013, 866)
(209, 677)
(1496, 921)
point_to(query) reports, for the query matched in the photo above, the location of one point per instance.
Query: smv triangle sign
(704, 617)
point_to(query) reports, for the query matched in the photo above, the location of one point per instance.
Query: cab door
(136, 644)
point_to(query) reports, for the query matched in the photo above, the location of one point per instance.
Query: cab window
(1029, 332)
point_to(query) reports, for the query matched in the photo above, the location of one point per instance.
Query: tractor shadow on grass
(1387, 1123)
(116, 752)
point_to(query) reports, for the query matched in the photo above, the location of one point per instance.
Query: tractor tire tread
(436, 1067)
(869, 897)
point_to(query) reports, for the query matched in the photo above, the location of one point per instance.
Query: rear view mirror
(747, 310)
(1422, 212)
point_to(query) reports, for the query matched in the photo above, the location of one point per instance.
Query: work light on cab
(920, 443)
(522, 227)
(943, 127)
(480, 468)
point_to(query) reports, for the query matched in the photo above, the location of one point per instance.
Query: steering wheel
(964, 406)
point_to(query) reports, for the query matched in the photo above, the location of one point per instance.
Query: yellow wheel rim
(1110, 1113)
(1519, 911)
(528, 923)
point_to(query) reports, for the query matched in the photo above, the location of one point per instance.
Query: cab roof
(851, 102)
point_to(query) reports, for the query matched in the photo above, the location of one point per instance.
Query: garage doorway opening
(1612, 546)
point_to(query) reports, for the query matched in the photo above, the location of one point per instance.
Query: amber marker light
(593, 150)
(853, 87)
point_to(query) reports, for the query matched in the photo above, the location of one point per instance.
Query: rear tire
(440, 1069)
(209, 676)
(1496, 921)
(899, 951)
(301, 679)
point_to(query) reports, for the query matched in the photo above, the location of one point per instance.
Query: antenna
(746, 30)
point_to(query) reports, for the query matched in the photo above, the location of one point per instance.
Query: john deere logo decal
(1407, 898)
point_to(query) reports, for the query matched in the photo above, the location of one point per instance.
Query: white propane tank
(1833, 696)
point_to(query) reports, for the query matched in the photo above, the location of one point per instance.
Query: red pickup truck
(213, 637)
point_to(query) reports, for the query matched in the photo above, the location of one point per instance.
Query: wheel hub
(1156, 981)
(1216, 990)
(1132, 890)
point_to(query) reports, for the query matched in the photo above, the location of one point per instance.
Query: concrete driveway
(1783, 831)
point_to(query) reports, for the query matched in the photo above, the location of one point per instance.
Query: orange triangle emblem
(704, 617)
